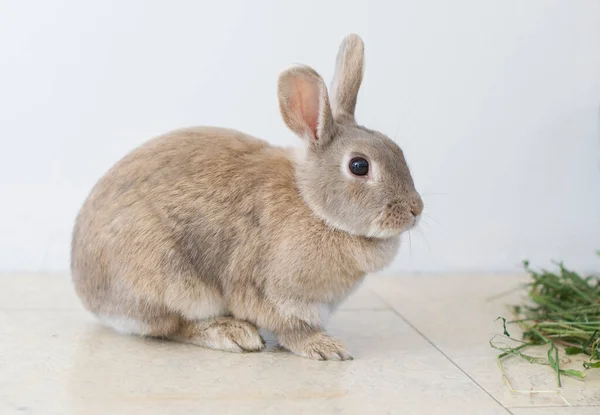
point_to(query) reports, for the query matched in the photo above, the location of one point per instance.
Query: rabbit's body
(205, 234)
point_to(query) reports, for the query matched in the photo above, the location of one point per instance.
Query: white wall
(496, 104)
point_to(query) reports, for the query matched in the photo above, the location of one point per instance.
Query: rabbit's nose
(416, 205)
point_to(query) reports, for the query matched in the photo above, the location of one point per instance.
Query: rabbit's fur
(204, 234)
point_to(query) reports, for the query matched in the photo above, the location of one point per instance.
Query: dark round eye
(359, 166)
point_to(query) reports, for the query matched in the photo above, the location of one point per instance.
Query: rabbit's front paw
(223, 333)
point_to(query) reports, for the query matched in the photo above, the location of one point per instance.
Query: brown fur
(203, 235)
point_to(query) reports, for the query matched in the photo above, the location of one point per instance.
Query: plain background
(495, 103)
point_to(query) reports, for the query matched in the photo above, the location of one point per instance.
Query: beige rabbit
(204, 235)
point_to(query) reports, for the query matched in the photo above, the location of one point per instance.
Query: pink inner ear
(306, 103)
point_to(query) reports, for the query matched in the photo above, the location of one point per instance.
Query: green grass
(563, 313)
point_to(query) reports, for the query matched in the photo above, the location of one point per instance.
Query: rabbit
(205, 235)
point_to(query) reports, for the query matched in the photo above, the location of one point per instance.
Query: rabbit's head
(354, 178)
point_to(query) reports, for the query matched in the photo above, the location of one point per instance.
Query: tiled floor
(420, 344)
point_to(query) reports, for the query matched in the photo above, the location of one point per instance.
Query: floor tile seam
(420, 333)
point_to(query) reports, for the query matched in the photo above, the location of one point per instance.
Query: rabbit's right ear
(348, 77)
(304, 105)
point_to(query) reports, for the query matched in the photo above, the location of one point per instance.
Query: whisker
(426, 240)
(429, 217)
(424, 222)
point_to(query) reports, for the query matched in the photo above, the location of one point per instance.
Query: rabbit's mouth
(397, 218)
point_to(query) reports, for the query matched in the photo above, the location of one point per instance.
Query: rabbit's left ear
(304, 105)
(348, 77)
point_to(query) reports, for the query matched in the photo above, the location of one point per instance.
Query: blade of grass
(504, 326)
(575, 373)
(554, 362)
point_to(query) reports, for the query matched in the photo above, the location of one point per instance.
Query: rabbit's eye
(359, 166)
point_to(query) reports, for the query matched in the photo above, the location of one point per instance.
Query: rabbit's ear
(348, 77)
(304, 105)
